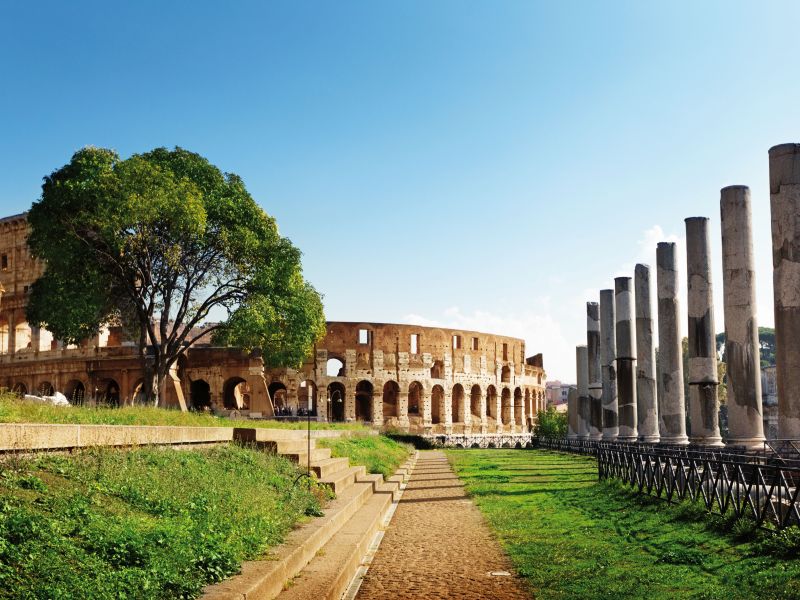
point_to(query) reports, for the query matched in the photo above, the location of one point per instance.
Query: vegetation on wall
(159, 243)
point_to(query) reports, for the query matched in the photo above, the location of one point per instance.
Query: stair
(319, 558)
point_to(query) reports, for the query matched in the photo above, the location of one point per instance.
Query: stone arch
(336, 396)
(505, 375)
(491, 403)
(391, 399)
(416, 394)
(20, 389)
(505, 406)
(45, 388)
(518, 407)
(335, 367)
(236, 394)
(107, 392)
(437, 404)
(45, 340)
(22, 337)
(528, 405)
(364, 401)
(75, 391)
(280, 398)
(475, 401)
(307, 396)
(437, 370)
(4, 337)
(200, 395)
(457, 403)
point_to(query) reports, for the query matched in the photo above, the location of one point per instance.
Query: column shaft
(594, 371)
(582, 360)
(671, 405)
(608, 364)
(626, 359)
(646, 403)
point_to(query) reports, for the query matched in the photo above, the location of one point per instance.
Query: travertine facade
(402, 376)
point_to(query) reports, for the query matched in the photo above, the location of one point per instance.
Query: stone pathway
(438, 545)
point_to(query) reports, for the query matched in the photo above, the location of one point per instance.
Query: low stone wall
(481, 440)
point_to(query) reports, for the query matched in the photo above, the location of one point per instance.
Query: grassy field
(573, 537)
(14, 410)
(143, 524)
(376, 452)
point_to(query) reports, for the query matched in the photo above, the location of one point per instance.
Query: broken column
(671, 409)
(784, 190)
(625, 359)
(742, 348)
(646, 403)
(608, 354)
(594, 371)
(582, 360)
(572, 414)
(703, 377)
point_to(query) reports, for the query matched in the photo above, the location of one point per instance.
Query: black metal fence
(763, 485)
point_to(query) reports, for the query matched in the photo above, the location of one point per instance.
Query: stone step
(327, 576)
(267, 578)
(343, 479)
(328, 467)
(301, 458)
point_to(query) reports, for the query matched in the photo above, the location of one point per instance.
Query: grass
(571, 536)
(144, 524)
(377, 453)
(14, 410)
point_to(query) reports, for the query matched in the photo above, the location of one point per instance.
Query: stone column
(608, 364)
(572, 414)
(402, 408)
(671, 405)
(784, 189)
(646, 404)
(626, 358)
(742, 348)
(582, 364)
(594, 371)
(703, 377)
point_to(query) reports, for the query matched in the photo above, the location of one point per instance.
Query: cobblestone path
(438, 545)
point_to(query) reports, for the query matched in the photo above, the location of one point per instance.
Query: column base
(610, 437)
(650, 439)
(707, 442)
(572, 436)
(755, 443)
(596, 437)
(675, 441)
(627, 438)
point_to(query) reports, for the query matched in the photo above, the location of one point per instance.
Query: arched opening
(491, 402)
(437, 370)
(391, 394)
(307, 398)
(22, 337)
(336, 402)
(236, 394)
(75, 392)
(518, 409)
(415, 395)
(45, 388)
(364, 401)
(505, 375)
(539, 379)
(437, 404)
(457, 403)
(4, 338)
(334, 367)
(200, 395)
(45, 340)
(107, 393)
(475, 401)
(505, 406)
(280, 399)
(20, 389)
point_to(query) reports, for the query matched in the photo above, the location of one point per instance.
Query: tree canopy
(162, 243)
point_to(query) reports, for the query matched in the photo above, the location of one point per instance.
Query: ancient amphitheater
(419, 379)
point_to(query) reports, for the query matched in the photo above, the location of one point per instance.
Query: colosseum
(405, 377)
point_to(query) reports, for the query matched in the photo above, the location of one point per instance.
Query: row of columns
(620, 397)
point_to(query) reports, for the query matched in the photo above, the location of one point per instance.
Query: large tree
(162, 243)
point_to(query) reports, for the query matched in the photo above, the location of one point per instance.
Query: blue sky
(487, 165)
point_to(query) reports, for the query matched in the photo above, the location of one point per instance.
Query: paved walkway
(438, 545)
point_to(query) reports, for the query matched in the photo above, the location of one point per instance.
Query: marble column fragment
(784, 189)
(572, 414)
(646, 401)
(608, 364)
(626, 359)
(594, 371)
(582, 360)
(671, 404)
(703, 377)
(742, 348)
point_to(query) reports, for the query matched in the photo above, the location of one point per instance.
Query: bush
(550, 424)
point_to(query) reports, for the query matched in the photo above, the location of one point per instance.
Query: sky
(477, 165)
